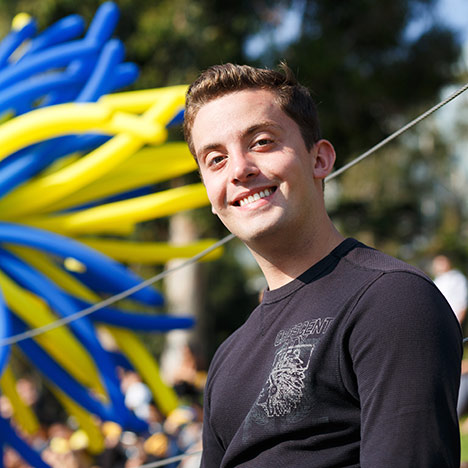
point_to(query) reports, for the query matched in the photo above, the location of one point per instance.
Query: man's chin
(255, 229)
(256, 235)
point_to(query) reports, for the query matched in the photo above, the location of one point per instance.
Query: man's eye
(263, 142)
(215, 160)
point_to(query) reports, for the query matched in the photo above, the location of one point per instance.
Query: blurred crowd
(63, 444)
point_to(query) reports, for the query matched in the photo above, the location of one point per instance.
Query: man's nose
(243, 166)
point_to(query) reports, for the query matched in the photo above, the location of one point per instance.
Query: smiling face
(260, 178)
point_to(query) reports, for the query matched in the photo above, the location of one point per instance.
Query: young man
(353, 357)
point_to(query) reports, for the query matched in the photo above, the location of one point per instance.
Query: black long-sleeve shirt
(356, 363)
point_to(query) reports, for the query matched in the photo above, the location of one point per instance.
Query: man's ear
(213, 210)
(324, 158)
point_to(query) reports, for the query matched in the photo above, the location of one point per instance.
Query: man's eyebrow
(265, 125)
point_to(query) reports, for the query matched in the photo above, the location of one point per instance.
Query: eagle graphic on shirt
(285, 385)
(285, 397)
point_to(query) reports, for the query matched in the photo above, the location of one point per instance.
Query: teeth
(255, 197)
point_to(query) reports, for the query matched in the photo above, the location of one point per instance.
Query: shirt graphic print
(285, 394)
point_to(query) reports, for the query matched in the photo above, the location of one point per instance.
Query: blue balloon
(177, 120)
(120, 360)
(57, 375)
(107, 75)
(55, 97)
(113, 276)
(104, 23)
(9, 436)
(5, 331)
(14, 39)
(99, 83)
(62, 30)
(99, 31)
(125, 74)
(58, 56)
(29, 91)
(80, 68)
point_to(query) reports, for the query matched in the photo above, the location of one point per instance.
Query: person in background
(452, 283)
(454, 286)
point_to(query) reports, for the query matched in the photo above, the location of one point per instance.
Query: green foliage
(464, 442)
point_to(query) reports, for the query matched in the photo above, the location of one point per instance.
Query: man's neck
(283, 262)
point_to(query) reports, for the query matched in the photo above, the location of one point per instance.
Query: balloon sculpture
(76, 169)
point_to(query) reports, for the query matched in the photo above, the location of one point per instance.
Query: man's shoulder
(399, 297)
(369, 258)
(390, 279)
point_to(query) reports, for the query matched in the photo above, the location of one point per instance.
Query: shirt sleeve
(213, 451)
(405, 346)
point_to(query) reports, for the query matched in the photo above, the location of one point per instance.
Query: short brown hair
(293, 98)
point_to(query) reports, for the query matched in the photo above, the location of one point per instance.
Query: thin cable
(111, 300)
(397, 133)
(167, 461)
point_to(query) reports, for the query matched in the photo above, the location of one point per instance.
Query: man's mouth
(255, 196)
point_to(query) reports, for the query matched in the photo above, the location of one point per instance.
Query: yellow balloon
(166, 106)
(20, 21)
(48, 122)
(60, 164)
(139, 101)
(151, 252)
(22, 413)
(86, 421)
(107, 217)
(151, 132)
(59, 184)
(169, 160)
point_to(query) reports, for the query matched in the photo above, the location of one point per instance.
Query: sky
(455, 13)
